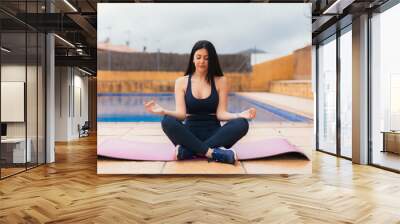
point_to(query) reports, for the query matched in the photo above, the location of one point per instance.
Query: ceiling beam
(82, 61)
(86, 27)
(338, 6)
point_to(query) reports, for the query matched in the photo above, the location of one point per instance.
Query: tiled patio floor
(299, 134)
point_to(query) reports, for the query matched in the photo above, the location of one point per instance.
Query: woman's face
(200, 60)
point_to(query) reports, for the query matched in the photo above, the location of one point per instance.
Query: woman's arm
(180, 111)
(223, 90)
(180, 106)
(222, 113)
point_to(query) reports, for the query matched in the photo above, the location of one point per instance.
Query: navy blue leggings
(200, 132)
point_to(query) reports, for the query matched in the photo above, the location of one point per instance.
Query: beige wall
(277, 69)
(296, 66)
(147, 82)
(302, 64)
(301, 88)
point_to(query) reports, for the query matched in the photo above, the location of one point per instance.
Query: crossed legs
(226, 136)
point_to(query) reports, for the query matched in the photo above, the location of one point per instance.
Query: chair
(84, 130)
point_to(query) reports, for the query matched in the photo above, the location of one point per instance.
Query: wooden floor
(70, 191)
(10, 171)
(386, 159)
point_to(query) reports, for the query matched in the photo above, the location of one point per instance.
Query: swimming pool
(129, 108)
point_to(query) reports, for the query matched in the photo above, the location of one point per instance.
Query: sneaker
(224, 156)
(183, 154)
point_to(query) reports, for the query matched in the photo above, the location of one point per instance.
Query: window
(346, 75)
(22, 68)
(385, 88)
(327, 96)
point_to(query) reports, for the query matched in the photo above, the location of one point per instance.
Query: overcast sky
(274, 28)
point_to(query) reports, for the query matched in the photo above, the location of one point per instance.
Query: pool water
(130, 108)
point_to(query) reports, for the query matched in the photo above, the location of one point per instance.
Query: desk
(391, 141)
(16, 147)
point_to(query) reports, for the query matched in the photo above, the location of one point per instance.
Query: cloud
(272, 27)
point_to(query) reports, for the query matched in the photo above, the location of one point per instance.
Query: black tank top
(201, 106)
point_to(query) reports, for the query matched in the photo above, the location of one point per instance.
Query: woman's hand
(248, 114)
(153, 107)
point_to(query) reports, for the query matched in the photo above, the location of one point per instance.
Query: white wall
(14, 73)
(82, 83)
(33, 126)
(13, 101)
(62, 81)
(71, 93)
(11, 73)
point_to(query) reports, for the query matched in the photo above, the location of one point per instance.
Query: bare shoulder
(220, 81)
(181, 82)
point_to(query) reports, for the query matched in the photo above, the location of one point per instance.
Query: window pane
(386, 88)
(346, 94)
(327, 97)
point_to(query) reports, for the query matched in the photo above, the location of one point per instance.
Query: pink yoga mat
(136, 150)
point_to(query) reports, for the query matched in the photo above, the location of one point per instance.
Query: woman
(201, 101)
